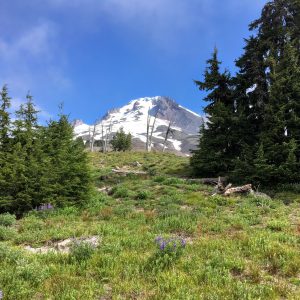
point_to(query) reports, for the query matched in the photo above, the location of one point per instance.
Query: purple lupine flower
(49, 206)
(158, 239)
(183, 243)
(162, 245)
(1, 295)
(44, 206)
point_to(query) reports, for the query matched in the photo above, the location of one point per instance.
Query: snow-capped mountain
(133, 118)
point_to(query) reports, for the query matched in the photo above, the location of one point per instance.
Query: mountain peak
(133, 118)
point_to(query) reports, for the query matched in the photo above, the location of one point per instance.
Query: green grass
(237, 248)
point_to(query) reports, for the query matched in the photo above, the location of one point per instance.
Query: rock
(261, 195)
(136, 164)
(64, 246)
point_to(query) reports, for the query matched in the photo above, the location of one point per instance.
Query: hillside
(132, 117)
(230, 248)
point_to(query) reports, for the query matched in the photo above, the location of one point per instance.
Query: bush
(142, 195)
(120, 192)
(6, 233)
(277, 225)
(159, 179)
(121, 141)
(81, 251)
(7, 219)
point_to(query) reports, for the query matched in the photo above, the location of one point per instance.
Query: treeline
(39, 164)
(253, 118)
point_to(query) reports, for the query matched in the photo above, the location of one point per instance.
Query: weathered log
(239, 189)
(127, 172)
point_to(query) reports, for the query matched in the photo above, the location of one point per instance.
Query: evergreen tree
(263, 121)
(215, 151)
(69, 179)
(27, 159)
(6, 167)
(4, 118)
(39, 164)
(267, 93)
(121, 141)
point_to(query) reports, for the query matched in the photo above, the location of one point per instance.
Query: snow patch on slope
(133, 119)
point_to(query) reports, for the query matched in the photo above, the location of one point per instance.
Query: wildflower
(162, 246)
(158, 239)
(183, 243)
(1, 295)
(173, 244)
(44, 206)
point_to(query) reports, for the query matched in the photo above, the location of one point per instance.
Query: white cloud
(29, 59)
(161, 21)
(166, 23)
(30, 56)
(34, 42)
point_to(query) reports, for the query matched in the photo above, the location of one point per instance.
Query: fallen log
(239, 189)
(128, 172)
(229, 190)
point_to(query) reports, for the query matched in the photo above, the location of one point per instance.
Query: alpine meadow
(152, 200)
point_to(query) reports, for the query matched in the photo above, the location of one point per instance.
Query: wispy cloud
(161, 21)
(29, 58)
(33, 42)
(164, 22)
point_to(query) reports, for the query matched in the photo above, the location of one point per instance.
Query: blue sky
(94, 55)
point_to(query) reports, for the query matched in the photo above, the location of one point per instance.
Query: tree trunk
(150, 139)
(148, 129)
(93, 138)
(167, 135)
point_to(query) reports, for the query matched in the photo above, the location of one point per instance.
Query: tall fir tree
(6, 166)
(69, 178)
(267, 93)
(27, 158)
(4, 118)
(214, 154)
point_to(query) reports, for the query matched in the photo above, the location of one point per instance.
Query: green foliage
(6, 233)
(214, 154)
(121, 141)
(81, 251)
(253, 128)
(69, 177)
(143, 195)
(120, 192)
(168, 251)
(7, 219)
(40, 164)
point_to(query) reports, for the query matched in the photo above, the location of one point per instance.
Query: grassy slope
(238, 248)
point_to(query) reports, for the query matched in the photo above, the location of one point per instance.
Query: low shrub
(277, 225)
(142, 195)
(168, 250)
(80, 252)
(159, 179)
(120, 192)
(7, 233)
(7, 219)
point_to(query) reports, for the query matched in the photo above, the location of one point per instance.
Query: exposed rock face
(133, 118)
